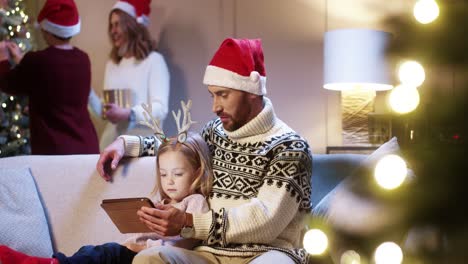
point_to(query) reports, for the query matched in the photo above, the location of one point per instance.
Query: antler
(152, 122)
(183, 127)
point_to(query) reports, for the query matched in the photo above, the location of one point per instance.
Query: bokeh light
(411, 73)
(350, 257)
(390, 172)
(315, 242)
(426, 11)
(404, 99)
(388, 253)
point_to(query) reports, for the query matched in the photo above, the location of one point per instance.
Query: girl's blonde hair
(197, 154)
(139, 42)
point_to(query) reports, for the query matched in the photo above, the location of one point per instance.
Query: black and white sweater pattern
(261, 194)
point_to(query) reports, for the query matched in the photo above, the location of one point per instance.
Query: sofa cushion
(23, 225)
(350, 208)
(328, 170)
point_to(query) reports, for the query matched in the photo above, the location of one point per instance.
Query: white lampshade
(356, 57)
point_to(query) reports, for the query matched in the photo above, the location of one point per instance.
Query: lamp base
(356, 105)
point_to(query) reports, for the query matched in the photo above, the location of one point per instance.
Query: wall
(189, 32)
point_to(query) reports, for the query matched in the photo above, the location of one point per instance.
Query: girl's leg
(109, 253)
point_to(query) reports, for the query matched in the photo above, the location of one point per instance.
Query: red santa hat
(138, 9)
(238, 64)
(60, 17)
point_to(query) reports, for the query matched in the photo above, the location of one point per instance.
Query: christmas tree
(439, 147)
(14, 116)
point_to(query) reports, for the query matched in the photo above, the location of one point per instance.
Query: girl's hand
(115, 113)
(15, 52)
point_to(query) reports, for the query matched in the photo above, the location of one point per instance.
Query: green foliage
(442, 42)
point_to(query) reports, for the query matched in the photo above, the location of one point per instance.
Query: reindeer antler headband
(182, 128)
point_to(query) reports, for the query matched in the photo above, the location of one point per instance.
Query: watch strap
(188, 220)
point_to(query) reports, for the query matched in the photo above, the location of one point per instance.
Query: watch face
(187, 232)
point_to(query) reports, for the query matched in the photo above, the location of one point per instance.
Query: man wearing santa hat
(262, 169)
(57, 81)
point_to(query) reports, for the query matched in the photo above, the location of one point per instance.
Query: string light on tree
(411, 73)
(350, 257)
(426, 11)
(404, 99)
(388, 253)
(390, 172)
(315, 242)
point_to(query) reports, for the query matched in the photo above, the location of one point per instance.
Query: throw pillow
(350, 208)
(361, 180)
(23, 224)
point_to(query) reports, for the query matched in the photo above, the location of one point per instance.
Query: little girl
(184, 179)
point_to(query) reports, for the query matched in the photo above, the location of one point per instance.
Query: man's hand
(115, 113)
(165, 220)
(110, 156)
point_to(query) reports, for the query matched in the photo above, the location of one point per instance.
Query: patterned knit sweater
(261, 190)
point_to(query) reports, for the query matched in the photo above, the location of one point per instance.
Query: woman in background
(135, 66)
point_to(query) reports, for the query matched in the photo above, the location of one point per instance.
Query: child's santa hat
(60, 17)
(238, 64)
(138, 9)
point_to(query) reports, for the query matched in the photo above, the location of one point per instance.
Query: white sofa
(71, 191)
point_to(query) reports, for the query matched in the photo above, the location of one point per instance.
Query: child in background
(57, 81)
(183, 179)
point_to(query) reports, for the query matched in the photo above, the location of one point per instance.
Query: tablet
(123, 212)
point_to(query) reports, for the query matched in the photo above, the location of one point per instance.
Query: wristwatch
(187, 231)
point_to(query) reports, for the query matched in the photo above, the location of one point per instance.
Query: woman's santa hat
(138, 9)
(60, 17)
(238, 64)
